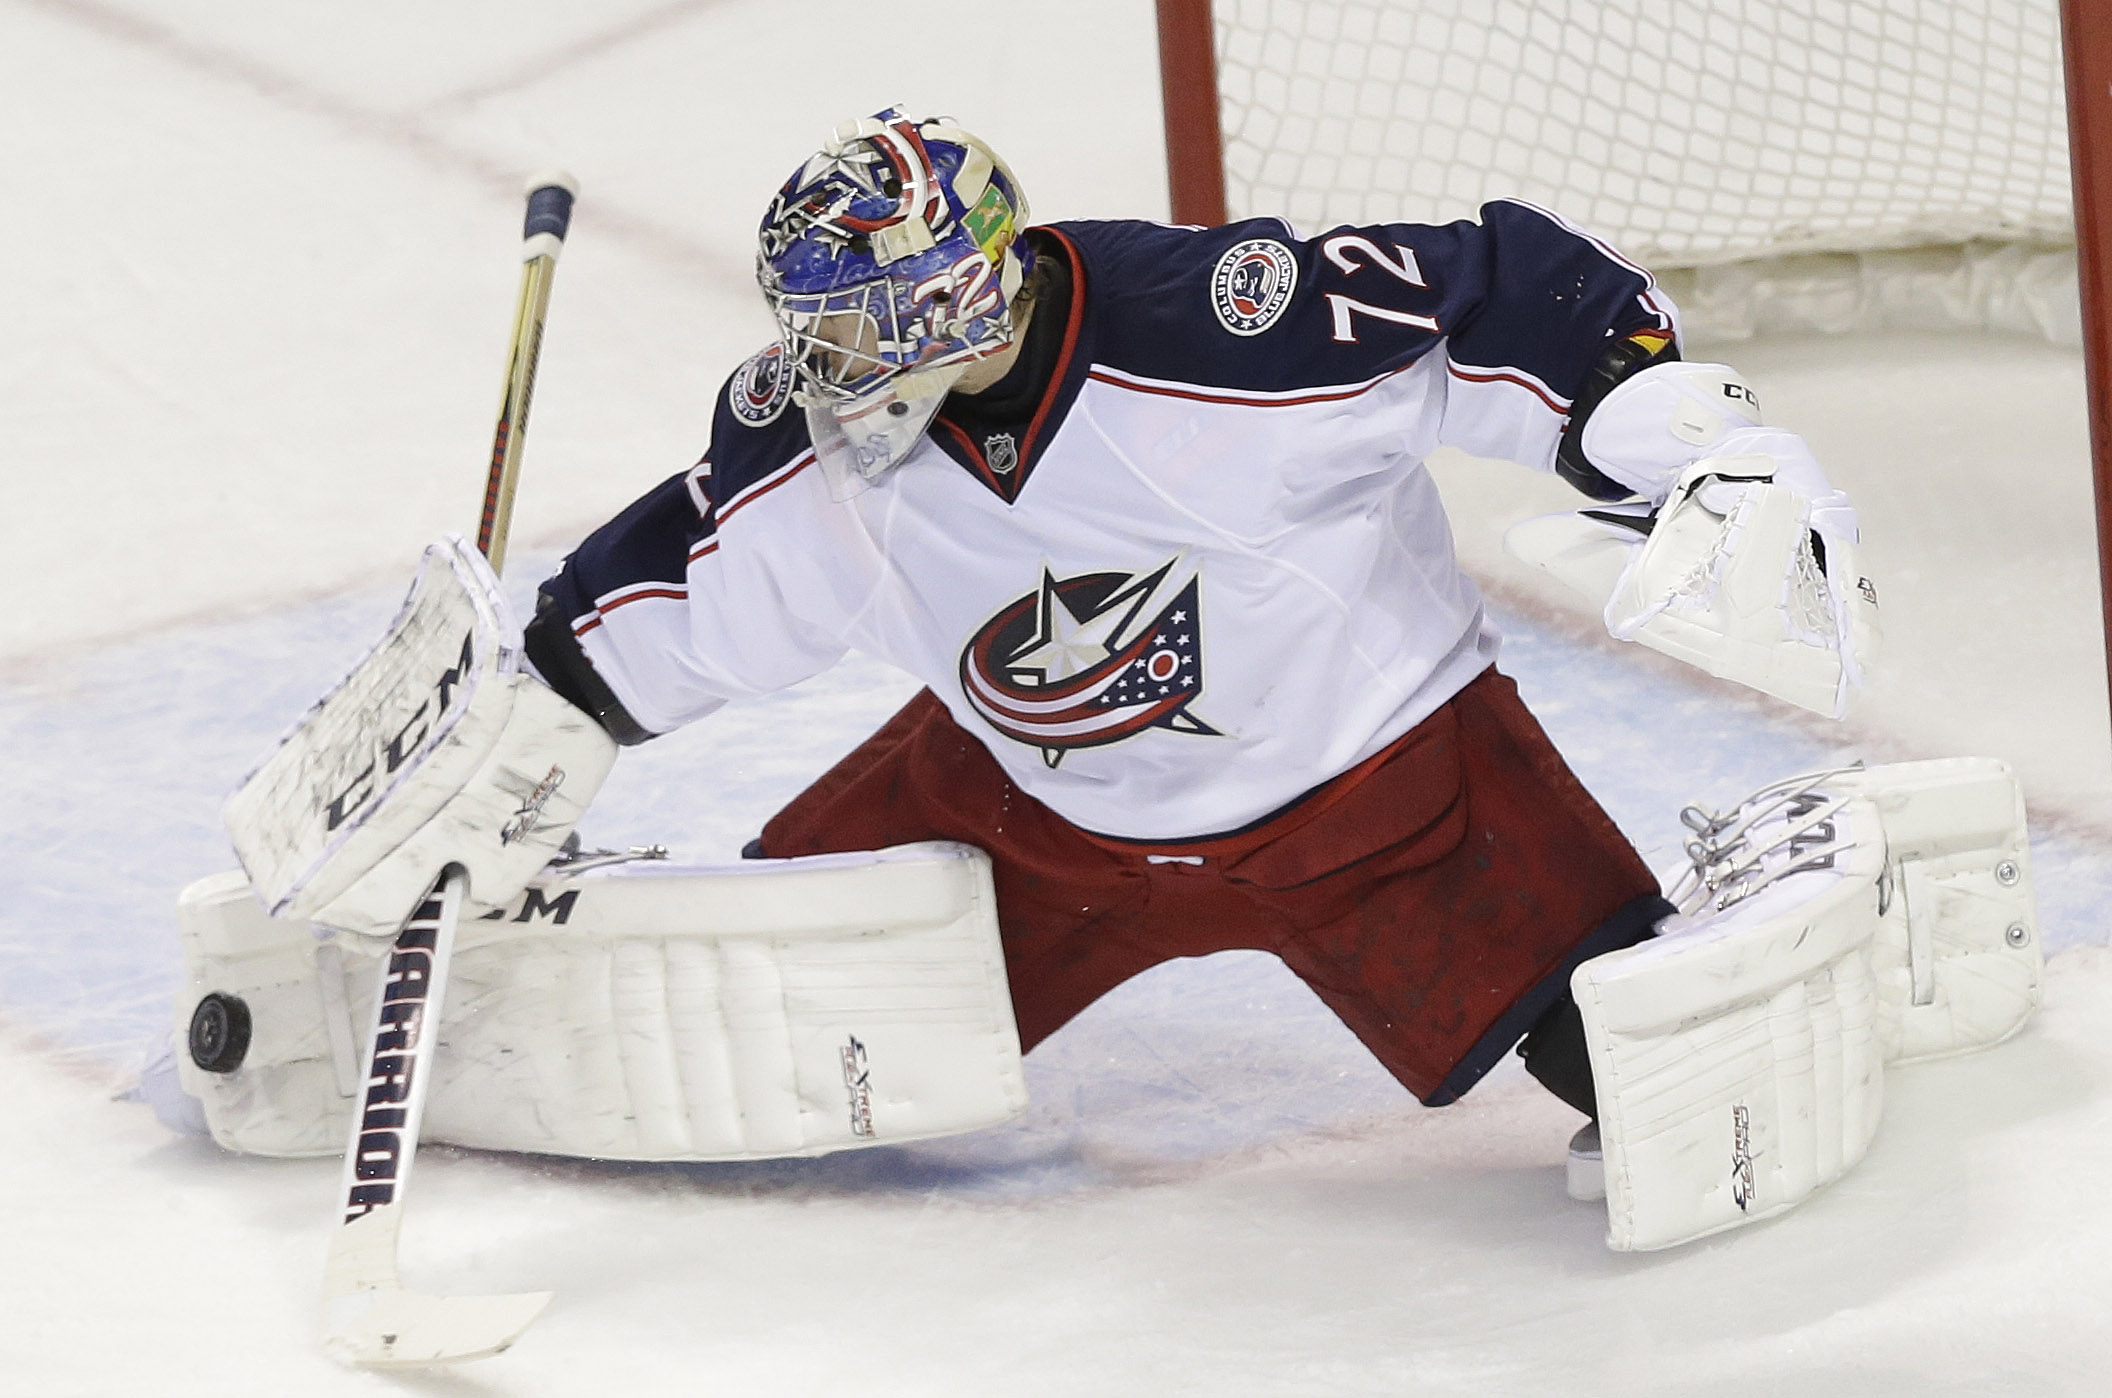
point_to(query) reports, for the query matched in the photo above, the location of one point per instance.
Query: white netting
(1690, 132)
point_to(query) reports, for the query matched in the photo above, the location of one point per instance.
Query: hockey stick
(369, 1317)
(549, 215)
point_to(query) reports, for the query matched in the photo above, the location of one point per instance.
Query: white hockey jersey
(1204, 573)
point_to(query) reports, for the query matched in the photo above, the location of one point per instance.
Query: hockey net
(1802, 161)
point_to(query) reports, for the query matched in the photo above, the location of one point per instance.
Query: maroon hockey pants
(1435, 897)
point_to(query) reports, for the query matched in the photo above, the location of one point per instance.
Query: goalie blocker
(438, 748)
(634, 1011)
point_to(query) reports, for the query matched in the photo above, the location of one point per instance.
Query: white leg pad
(1736, 1057)
(644, 1012)
(1957, 956)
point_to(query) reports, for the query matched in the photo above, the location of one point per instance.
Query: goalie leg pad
(437, 749)
(1957, 957)
(1736, 1057)
(644, 1012)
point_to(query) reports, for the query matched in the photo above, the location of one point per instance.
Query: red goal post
(1849, 135)
(2086, 28)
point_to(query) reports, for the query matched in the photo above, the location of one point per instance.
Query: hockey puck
(219, 1034)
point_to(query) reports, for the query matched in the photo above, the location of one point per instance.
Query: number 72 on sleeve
(1353, 253)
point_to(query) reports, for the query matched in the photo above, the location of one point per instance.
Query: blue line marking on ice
(120, 764)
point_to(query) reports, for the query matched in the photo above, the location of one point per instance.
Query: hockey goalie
(1144, 507)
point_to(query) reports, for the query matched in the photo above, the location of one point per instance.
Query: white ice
(258, 277)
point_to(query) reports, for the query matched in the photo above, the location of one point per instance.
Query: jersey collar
(1003, 454)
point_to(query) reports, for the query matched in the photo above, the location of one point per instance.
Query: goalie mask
(891, 263)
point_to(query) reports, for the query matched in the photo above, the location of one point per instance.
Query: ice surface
(260, 260)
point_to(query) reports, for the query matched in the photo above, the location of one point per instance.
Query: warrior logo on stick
(399, 1054)
(1087, 661)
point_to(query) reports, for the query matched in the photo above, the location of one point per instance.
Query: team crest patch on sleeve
(761, 388)
(1091, 660)
(1251, 285)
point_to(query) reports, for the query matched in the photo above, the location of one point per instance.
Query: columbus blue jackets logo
(1087, 661)
(761, 387)
(1251, 285)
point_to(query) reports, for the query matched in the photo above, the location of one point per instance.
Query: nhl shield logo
(1252, 284)
(1086, 661)
(1001, 452)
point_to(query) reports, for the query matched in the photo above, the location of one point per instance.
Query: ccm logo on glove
(397, 750)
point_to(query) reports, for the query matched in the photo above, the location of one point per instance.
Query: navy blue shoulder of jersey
(1249, 306)
(756, 429)
(755, 433)
(648, 543)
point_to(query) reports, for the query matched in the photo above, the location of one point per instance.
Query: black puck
(219, 1034)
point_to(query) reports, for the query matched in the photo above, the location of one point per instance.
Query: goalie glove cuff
(1652, 425)
(1623, 359)
(555, 654)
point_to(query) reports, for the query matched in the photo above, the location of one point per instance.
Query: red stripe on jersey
(669, 592)
(1332, 395)
(1071, 327)
(1498, 376)
(678, 592)
(756, 492)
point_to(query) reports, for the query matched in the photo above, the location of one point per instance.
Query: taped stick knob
(550, 197)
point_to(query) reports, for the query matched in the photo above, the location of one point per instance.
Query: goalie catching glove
(1743, 561)
(438, 748)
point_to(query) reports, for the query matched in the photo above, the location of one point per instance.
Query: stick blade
(1587, 554)
(389, 1327)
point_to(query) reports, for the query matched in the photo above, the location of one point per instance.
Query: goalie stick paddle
(369, 1318)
